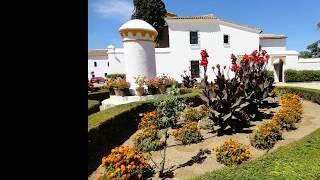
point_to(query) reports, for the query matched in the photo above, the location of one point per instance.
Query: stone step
(117, 100)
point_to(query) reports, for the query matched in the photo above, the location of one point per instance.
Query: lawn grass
(298, 160)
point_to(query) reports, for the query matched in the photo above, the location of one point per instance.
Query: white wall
(303, 64)
(102, 65)
(210, 38)
(116, 64)
(273, 44)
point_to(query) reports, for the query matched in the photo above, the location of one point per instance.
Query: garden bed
(112, 127)
(299, 160)
(179, 157)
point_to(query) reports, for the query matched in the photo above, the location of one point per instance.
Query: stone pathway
(178, 154)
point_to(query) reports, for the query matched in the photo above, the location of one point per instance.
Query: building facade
(186, 36)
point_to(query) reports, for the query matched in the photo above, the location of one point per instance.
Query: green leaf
(204, 98)
(227, 116)
(237, 102)
(216, 113)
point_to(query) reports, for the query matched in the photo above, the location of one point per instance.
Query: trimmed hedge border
(306, 93)
(301, 76)
(270, 74)
(114, 76)
(99, 96)
(112, 127)
(93, 106)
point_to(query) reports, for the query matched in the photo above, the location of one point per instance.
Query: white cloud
(120, 9)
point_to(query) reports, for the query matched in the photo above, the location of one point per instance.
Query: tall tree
(151, 11)
(314, 49)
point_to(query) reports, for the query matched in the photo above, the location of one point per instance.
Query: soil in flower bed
(184, 163)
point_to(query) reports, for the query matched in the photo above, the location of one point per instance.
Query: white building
(185, 36)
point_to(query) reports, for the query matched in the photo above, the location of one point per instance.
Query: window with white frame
(226, 39)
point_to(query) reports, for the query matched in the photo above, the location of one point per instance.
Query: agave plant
(226, 102)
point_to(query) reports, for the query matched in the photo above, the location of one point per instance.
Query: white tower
(138, 39)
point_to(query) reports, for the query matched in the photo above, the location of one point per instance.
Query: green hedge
(270, 74)
(114, 76)
(110, 128)
(99, 96)
(93, 106)
(307, 94)
(301, 76)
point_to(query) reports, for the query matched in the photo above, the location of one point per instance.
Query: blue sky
(295, 18)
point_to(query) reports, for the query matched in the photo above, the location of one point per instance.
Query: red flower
(245, 58)
(254, 53)
(267, 57)
(204, 53)
(263, 52)
(260, 59)
(235, 67)
(251, 58)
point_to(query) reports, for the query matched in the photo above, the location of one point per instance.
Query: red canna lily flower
(267, 57)
(235, 67)
(254, 53)
(263, 52)
(251, 58)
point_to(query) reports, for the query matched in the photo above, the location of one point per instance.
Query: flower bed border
(93, 106)
(305, 93)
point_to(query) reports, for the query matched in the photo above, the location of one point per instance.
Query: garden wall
(303, 64)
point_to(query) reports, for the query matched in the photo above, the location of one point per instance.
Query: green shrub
(109, 128)
(232, 152)
(267, 134)
(93, 106)
(149, 139)
(169, 110)
(290, 111)
(99, 96)
(305, 93)
(115, 76)
(188, 134)
(270, 74)
(194, 114)
(301, 76)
